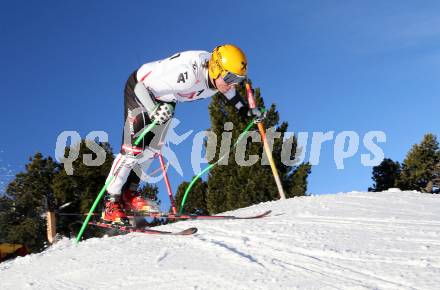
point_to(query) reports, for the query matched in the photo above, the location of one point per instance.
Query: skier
(151, 94)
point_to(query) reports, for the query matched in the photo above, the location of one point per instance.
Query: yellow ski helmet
(229, 62)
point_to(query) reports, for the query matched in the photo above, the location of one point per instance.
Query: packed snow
(357, 240)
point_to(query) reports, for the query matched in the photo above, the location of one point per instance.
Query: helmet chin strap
(211, 82)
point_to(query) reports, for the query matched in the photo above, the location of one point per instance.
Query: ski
(200, 217)
(185, 216)
(131, 229)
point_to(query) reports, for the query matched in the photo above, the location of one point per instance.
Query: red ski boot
(134, 202)
(114, 213)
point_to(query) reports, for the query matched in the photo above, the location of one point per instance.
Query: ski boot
(114, 213)
(133, 202)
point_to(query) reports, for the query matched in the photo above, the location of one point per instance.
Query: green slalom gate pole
(182, 204)
(101, 193)
(148, 129)
(95, 204)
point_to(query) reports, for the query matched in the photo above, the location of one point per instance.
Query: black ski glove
(163, 113)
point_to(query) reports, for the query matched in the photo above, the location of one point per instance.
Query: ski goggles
(231, 78)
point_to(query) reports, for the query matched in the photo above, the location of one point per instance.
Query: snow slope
(388, 240)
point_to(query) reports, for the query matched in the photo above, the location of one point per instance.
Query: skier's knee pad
(131, 150)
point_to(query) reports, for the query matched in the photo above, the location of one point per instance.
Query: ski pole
(148, 129)
(260, 125)
(101, 193)
(167, 182)
(249, 126)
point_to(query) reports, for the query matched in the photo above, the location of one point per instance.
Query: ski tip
(188, 231)
(264, 214)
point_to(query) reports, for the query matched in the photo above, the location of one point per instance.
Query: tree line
(419, 171)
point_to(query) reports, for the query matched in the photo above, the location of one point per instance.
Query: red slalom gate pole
(167, 182)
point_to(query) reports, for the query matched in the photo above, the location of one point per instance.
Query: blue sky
(328, 65)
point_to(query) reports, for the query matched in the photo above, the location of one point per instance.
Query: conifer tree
(81, 188)
(297, 181)
(27, 197)
(232, 186)
(385, 175)
(6, 210)
(418, 169)
(196, 200)
(435, 185)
